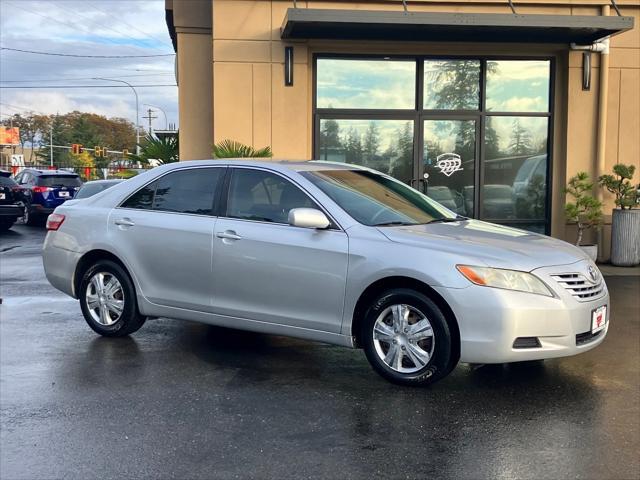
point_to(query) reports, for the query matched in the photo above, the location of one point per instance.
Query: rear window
(59, 181)
(7, 182)
(89, 190)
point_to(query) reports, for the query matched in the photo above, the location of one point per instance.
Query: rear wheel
(108, 300)
(30, 218)
(406, 338)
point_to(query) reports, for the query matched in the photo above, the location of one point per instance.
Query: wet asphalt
(184, 400)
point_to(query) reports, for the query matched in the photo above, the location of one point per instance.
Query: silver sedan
(326, 252)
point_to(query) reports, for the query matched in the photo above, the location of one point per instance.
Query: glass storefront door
(472, 133)
(449, 163)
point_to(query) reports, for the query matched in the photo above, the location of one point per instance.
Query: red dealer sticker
(598, 319)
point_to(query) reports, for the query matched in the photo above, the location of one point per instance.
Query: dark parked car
(44, 190)
(10, 201)
(89, 189)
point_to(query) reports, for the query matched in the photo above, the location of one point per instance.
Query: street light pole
(166, 123)
(137, 109)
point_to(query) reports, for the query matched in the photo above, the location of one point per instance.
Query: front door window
(472, 133)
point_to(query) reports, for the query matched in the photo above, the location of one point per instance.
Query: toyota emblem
(592, 273)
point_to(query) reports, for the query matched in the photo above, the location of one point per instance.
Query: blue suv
(44, 190)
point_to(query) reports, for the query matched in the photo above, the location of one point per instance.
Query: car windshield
(90, 189)
(377, 200)
(59, 181)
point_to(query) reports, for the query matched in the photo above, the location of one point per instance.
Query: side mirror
(308, 218)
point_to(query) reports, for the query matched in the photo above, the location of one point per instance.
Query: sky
(86, 27)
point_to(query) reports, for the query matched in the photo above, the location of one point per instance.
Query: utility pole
(150, 117)
(166, 124)
(51, 144)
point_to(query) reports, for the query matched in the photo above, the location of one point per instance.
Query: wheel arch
(383, 284)
(89, 259)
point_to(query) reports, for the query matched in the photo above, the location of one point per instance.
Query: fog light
(526, 342)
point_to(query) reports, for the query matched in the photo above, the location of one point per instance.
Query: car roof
(279, 165)
(97, 182)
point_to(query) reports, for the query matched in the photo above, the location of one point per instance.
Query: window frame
(216, 194)
(418, 114)
(225, 191)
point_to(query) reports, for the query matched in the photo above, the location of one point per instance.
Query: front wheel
(406, 338)
(108, 300)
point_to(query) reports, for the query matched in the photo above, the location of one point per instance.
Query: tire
(109, 323)
(407, 364)
(30, 218)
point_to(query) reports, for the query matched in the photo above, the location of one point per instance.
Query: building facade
(485, 108)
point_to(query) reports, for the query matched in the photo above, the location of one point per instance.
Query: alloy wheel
(403, 338)
(105, 298)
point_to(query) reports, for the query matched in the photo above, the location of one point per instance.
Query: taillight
(38, 189)
(54, 221)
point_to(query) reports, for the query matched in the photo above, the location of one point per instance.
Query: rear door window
(142, 199)
(189, 191)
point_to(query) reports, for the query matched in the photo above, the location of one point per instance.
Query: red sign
(9, 136)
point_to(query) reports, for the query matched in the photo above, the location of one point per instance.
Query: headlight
(507, 279)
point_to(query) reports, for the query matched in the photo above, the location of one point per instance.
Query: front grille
(578, 285)
(587, 337)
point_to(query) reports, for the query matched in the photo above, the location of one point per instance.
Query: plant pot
(625, 237)
(590, 250)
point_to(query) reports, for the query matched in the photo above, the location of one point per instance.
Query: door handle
(125, 222)
(228, 235)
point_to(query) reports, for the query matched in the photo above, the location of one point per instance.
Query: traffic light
(76, 148)
(99, 152)
(125, 152)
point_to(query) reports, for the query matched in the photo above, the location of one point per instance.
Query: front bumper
(491, 319)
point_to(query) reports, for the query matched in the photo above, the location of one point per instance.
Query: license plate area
(3, 196)
(63, 194)
(598, 319)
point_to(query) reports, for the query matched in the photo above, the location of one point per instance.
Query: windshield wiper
(447, 219)
(391, 224)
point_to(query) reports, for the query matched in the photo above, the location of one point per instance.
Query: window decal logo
(449, 163)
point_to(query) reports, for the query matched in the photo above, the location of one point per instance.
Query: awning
(308, 23)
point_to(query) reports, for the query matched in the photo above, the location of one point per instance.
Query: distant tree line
(87, 129)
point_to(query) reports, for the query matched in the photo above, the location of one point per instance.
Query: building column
(192, 22)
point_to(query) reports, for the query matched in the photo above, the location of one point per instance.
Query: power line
(67, 24)
(19, 108)
(81, 78)
(120, 20)
(88, 86)
(85, 56)
(97, 22)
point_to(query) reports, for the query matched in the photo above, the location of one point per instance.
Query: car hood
(486, 243)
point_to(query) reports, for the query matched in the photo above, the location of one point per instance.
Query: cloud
(94, 27)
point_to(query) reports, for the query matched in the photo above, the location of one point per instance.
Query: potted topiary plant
(585, 210)
(625, 220)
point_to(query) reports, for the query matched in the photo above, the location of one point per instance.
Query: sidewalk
(609, 270)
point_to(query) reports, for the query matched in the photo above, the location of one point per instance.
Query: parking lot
(184, 400)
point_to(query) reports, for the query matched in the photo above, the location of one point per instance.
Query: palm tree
(160, 150)
(233, 149)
